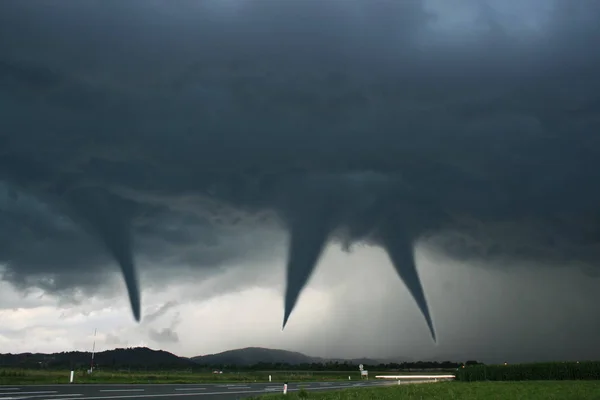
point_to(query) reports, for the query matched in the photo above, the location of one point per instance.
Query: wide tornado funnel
(308, 237)
(400, 249)
(109, 217)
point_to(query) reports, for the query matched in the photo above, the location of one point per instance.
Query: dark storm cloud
(350, 121)
(44, 247)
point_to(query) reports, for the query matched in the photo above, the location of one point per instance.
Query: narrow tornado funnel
(308, 237)
(401, 252)
(109, 217)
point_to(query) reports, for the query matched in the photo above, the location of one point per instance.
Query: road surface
(178, 391)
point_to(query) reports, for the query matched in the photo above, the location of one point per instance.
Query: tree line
(341, 366)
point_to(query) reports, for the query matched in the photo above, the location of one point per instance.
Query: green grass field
(535, 390)
(25, 377)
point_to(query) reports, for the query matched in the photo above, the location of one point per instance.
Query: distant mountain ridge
(256, 355)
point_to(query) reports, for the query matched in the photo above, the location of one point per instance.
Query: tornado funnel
(108, 217)
(308, 237)
(401, 252)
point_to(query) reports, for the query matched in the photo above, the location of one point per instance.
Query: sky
(410, 178)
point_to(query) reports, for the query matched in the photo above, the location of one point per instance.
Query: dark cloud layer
(152, 126)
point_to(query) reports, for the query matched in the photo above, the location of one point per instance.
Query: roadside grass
(32, 377)
(531, 390)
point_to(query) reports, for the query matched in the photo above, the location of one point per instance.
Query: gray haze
(181, 136)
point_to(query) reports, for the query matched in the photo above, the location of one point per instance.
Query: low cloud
(165, 335)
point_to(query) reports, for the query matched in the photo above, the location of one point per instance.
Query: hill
(136, 358)
(255, 355)
(258, 355)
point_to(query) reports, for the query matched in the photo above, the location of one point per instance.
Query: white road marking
(45, 396)
(165, 395)
(228, 385)
(19, 393)
(121, 390)
(87, 385)
(239, 387)
(195, 388)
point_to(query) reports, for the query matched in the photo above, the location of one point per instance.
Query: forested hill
(258, 358)
(255, 355)
(136, 358)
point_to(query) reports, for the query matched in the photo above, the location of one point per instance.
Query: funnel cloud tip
(400, 250)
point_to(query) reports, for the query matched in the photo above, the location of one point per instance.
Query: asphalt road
(157, 391)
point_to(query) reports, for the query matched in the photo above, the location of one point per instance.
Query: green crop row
(554, 371)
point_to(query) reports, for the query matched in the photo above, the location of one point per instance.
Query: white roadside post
(269, 378)
(72, 376)
(349, 378)
(285, 388)
(363, 372)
